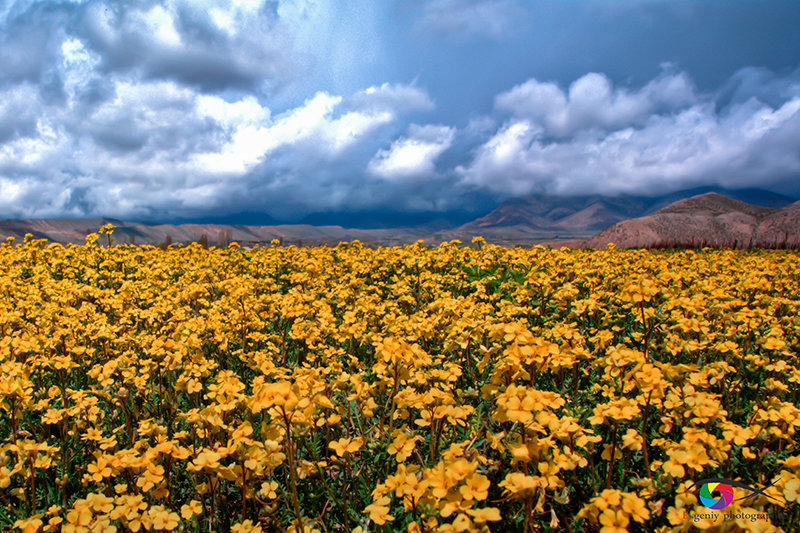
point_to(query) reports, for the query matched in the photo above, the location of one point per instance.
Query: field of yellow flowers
(413, 388)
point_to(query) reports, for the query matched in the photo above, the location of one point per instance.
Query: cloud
(628, 143)
(316, 124)
(30, 39)
(593, 102)
(391, 96)
(760, 83)
(18, 114)
(412, 156)
(156, 148)
(208, 45)
(214, 46)
(469, 19)
(164, 109)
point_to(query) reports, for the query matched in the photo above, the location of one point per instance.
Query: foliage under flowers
(392, 389)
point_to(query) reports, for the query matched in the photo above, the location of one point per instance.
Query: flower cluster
(410, 388)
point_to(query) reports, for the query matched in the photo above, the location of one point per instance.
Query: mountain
(582, 216)
(781, 229)
(760, 197)
(714, 204)
(709, 219)
(570, 213)
(558, 216)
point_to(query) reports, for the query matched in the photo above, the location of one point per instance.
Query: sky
(190, 109)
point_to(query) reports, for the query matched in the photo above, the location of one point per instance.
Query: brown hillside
(705, 220)
(781, 228)
(714, 204)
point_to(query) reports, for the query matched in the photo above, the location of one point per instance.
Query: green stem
(292, 471)
(613, 449)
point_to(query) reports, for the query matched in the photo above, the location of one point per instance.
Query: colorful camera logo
(707, 498)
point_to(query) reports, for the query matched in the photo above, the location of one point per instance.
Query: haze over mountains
(695, 217)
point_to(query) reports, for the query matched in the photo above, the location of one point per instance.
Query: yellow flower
(29, 525)
(791, 489)
(517, 483)
(193, 508)
(379, 511)
(163, 519)
(246, 527)
(345, 446)
(475, 487)
(485, 514)
(774, 344)
(635, 507)
(269, 490)
(403, 445)
(101, 469)
(151, 476)
(613, 522)
(205, 459)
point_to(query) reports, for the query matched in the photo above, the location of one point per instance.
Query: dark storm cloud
(79, 201)
(18, 115)
(30, 41)
(759, 83)
(185, 46)
(95, 91)
(150, 121)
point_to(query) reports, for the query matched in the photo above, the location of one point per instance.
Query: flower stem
(292, 472)
(613, 449)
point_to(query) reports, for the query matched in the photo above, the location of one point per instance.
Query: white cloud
(161, 25)
(253, 134)
(749, 144)
(164, 147)
(593, 102)
(397, 97)
(412, 156)
(350, 127)
(251, 140)
(207, 44)
(77, 65)
(244, 111)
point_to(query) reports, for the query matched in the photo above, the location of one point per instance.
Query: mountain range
(593, 213)
(707, 216)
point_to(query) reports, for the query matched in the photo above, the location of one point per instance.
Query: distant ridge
(565, 213)
(74, 230)
(710, 218)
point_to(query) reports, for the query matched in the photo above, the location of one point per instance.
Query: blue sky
(187, 109)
